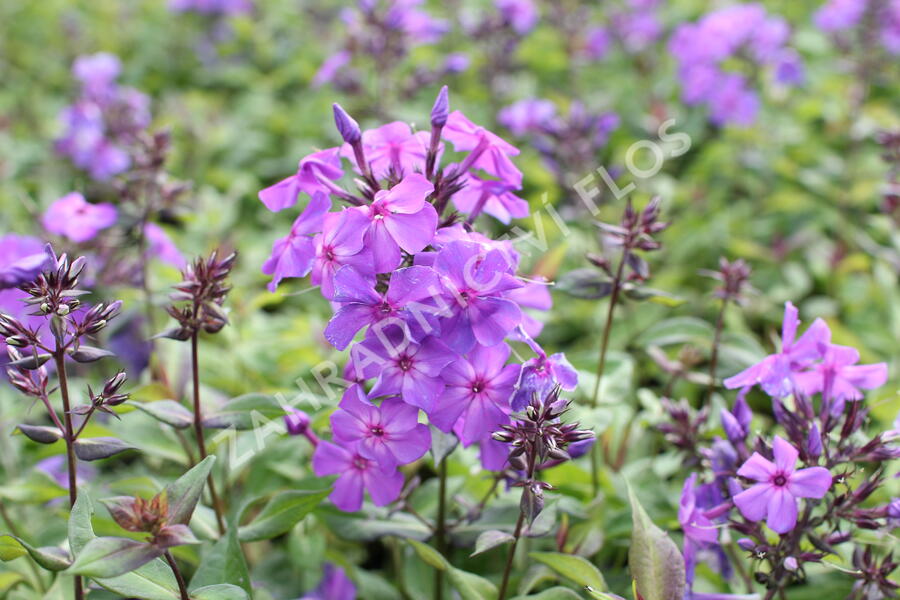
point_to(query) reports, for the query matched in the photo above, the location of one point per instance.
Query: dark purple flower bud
(296, 421)
(790, 563)
(733, 429)
(441, 109)
(893, 509)
(814, 442)
(746, 544)
(346, 125)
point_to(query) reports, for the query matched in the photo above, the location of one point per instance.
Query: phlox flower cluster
(635, 26)
(838, 16)
(424, 302)
(212, 7)
(743, 32)
(812, 483)
(100, 127)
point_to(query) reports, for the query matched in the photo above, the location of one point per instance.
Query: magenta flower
(476, 400)
(400, 219)
(293, 255)
(527, 116)
(393, 147)
(329, 69)
(839, 377)
(487, 150)
(776, 373)
(402, 366)
(389, 434)
(356, 475)
(696, 526)
(21, 260)
(322, 165)
(490, 196)
(520, 15)
(73, 217)
(779, 486)
(477, 280)
(339, 244)
(362, 305)
(97, 73)
(335, 585)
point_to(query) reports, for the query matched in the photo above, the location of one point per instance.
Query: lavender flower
(335, 585)
(73, 217)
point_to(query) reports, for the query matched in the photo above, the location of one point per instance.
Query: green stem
(198, 431)
(440, 529)
(520, 522)
(714, 356)
(69, 437)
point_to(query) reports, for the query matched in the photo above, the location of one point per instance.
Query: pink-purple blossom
(78, 220)
(356, 475)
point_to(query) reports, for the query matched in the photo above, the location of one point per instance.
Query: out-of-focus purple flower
(839, 376)
(837, 15)
(331, 67)
(97, 73)
(736, 422)
(520, 15)
(490, 196)
(325, 164)
(21, 260)
(456, 62)
(777, 372)
(637, 29)
(597, 43)
(402, 366)
(779, 487)
(55, 467)
(335, 585)
(389, 434)
(161, 246)
(356, 474)
(733, 102)
(74, 218)
(527, 116)
(789, 68)
(418, 25)
(475, 402)
(212, 7)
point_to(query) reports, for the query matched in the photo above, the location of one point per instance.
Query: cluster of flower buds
(152, 516)
(540, 439)
(733, 276)
(108, 397)
(634, 232)
(54, 292)
(684, 427)
(203, 288)
(873, 577)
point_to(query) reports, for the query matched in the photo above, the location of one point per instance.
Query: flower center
(478, 386)
(328, 251)
(360, 463)
(376, 430)
(780, 480)
(385, 308)
(405, 363)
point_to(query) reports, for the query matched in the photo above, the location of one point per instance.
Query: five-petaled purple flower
(76, 219)
(356, 474)
(779, 486)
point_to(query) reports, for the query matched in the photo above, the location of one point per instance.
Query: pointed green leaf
(576, 568)
(281, 513)
(471, 586)
(491, 539)
(184, 493)
(52, 559)
(555, 593)
(222, 591)
(169, 412)
(97, 448)
(107, 557)
(223, 563)
(657, 565)
(244, 412)
(9, 580)
(42, 434)
(431, 556)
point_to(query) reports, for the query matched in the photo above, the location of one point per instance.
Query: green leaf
(52, 559)
(555, 593)
(281, 513)
(586, 284)
(491, 539)
(431, 556)
(89, 449)
(224, 563)
(169, 412)
(363, 529)
(222, 591)
(42, 434)
(184, 493)
(245, 412)
(655, 296)
(576, 568)
(9, 580)
(107, 557)
(656, 564)
(471, 586)
(80, 529)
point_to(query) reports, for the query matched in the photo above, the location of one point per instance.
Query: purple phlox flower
(539, 375)
(389, 434)
(520, 15)
(723, 458)
(21, 260)
(838, 375)
(527, 116)
(335, 585)
(456, 62)
(330, 68)
(296, 421)
(491, 196)
(598, 41)
(789, 68)
(394, 147)
(74, 218)
(837, 15)
(475, 402)
(476, 281)
(534, 295)
(458, 233)
(700, 533)
(493, 454)
(779, 487)
(356, 474)
(400, 218)
(294, 254)
(161, 246)
(402, 366)
(487, 151)
(736, 421)
(637, 29)
(339, 244)
(325, 164)
(890, 28)
(732, 102)
(55, 467)
(362, 305)
(776, 373)
(97, 73)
